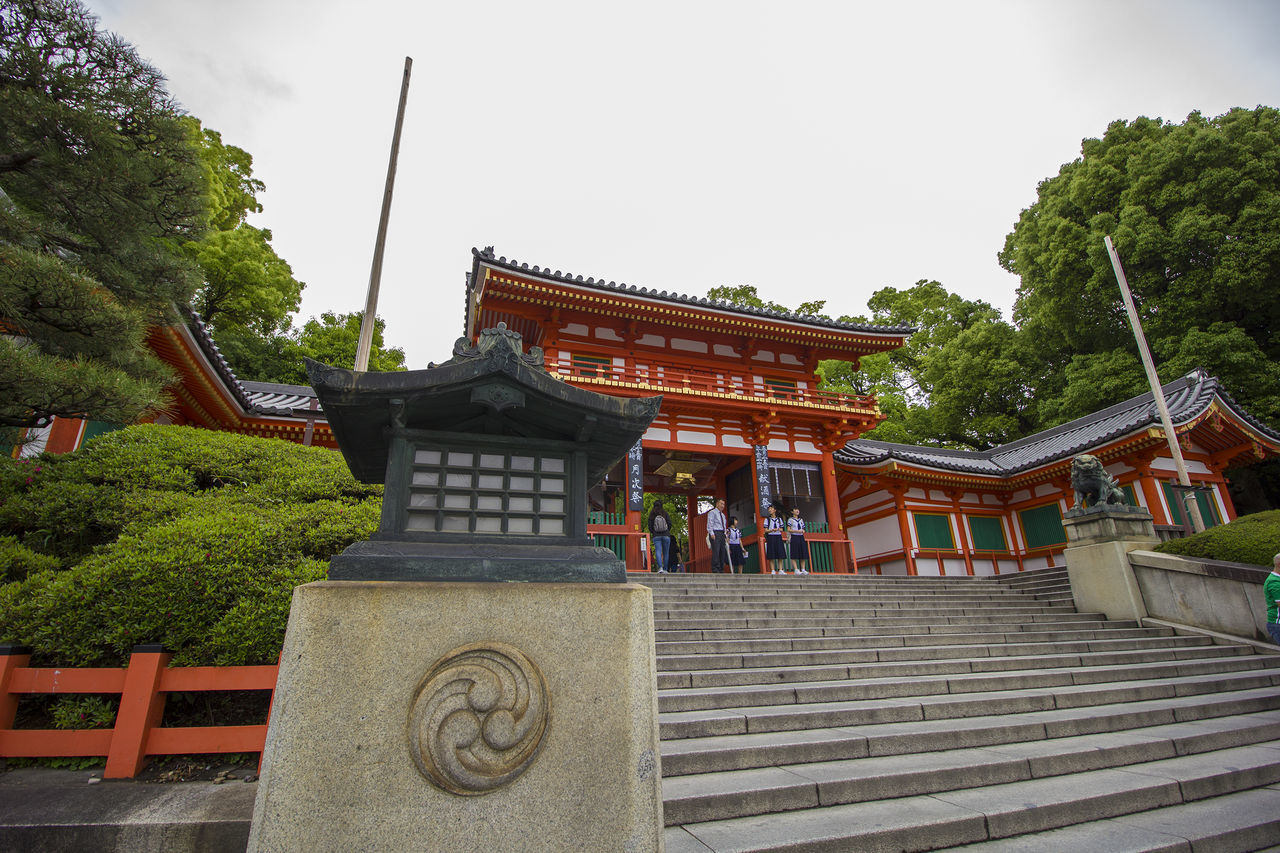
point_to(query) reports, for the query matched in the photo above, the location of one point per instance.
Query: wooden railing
(671, 378)
(142, 687)
(874, 561)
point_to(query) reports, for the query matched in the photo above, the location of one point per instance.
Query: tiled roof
(489, 258)
(1186, 398)
(256, 398)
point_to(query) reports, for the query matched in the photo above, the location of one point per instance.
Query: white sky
(818, 150)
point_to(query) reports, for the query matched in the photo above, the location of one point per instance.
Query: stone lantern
(425, 701)
(486, 458)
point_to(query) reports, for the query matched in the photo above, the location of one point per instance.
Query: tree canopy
(99, 188)
(1192, 209)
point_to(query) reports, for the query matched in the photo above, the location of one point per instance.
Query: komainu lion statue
(1092, 484)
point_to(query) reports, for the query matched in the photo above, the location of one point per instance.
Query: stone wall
(1210, 594)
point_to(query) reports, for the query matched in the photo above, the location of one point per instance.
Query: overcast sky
(817, 150)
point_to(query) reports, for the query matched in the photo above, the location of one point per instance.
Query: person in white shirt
(799, 547)
(774, 549)
(717, 524)
(737, 554)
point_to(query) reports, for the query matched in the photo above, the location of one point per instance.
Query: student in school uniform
(737, 554)
(775, 552)
(799, 547)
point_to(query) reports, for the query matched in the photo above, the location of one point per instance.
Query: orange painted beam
(201, 739)
(54, 743)
(141, 707)
(65, 680)
(197, 678)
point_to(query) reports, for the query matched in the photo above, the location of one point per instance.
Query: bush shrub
(17, 560)
(1251, 539)
(172, 535)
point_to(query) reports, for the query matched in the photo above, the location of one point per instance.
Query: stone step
(1084, 670)
(992, 811)
(1123, 699)
(780, 644)
(740, 793)
(881, 653)
(1188, 732)
(1242, 821)
(1047, 615)
(923, 629)
(1247, 671)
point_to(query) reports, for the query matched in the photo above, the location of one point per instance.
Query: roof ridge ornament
(500, 346)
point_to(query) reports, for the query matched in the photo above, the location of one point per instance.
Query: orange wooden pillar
(965, 550)
(904, 528)
(12, 658)
(835, 512)
(64, 435)
(141, 707)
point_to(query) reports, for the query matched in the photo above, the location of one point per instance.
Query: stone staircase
(865, 713)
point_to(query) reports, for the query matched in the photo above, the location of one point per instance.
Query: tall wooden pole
(375, 274)
(1192, 507)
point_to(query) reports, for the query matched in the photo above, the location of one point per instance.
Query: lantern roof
(491, 387)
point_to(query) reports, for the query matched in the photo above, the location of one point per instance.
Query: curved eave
(491, 281)
(358, 407)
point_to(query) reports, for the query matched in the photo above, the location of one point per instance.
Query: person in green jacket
(1271, 591)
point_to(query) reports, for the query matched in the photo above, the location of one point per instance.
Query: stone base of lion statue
(1099, 541)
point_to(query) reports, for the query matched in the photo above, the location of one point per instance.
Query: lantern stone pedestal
(1099, 540)
(478, 675)
(341, 769)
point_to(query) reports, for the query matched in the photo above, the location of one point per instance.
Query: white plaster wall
(764, 355)
(779, 444)
(694, 437)
(1166, 463)
(955, 568)
(652, 341)
(869, 499)
(897, 568)
(657, 434)
(688, 345)
(575, 329)
(991, 500)
(807, 447)
(877, 537)
(927, 568)
(724, 350)
(983, 568)
(788, 358)
(731, 439)
(604, 333)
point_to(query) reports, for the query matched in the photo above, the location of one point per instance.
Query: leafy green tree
(330, 338)
(956, 382)
(1192, 209)
(99, 188)
(249, 293)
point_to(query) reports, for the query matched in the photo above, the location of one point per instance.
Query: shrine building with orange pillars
(742, 417)
(933, 511)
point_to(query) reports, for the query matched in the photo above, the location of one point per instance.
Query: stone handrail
(1210, 594)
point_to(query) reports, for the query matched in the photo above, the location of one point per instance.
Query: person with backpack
(660, 532)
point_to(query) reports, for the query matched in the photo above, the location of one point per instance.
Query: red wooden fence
(142, 687)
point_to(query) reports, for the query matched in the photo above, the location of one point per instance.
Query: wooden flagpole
(375, 274)
(1190, 504)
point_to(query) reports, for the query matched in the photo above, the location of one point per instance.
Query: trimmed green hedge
(173, 535)
(1251, 539)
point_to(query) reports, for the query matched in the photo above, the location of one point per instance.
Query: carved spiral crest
(479, 718)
